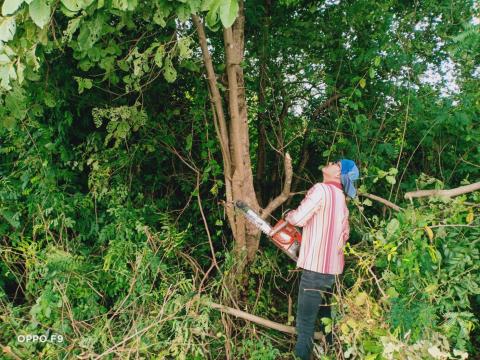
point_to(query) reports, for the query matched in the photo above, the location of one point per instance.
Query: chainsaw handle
(274, 231)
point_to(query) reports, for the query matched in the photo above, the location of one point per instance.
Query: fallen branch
(445, 193)
(381, 200)
(259, 320)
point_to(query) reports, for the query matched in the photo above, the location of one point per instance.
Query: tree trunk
(235, 146)
(247, 236)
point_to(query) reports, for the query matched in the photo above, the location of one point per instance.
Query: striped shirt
(323, 214)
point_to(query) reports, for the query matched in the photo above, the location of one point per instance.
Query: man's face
(332, 170)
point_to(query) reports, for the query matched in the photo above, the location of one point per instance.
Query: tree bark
(247, 236)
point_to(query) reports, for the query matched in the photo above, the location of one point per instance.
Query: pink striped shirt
(323, 214)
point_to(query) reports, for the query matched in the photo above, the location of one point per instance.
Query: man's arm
(312, 202)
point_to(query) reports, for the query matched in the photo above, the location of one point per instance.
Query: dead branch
(381, 200)
(259, 320)
(445, 193)
(284, 195)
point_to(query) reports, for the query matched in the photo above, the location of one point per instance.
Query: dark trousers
(311, 294)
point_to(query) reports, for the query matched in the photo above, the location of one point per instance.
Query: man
(323, 214)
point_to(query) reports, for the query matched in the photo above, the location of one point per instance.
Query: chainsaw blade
(253, 217)
(266, 228)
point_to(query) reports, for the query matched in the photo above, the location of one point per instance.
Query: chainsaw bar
(253, 217)
(279, 239)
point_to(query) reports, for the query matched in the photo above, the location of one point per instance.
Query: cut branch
(381, 200)
(285, 194)
(259, 320)
(445, 193)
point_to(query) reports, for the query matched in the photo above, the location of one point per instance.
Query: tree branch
(446, 193)
(215, 93)
(236, 132)
(284, 195)
(381, 200)
(259, 320)
(326, 104)
(218, 118)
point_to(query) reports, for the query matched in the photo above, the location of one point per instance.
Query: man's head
(332, 171)
(344, 171)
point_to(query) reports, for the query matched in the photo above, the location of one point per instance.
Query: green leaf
(393, 226)
(4, 59)
(390, 179)
(184, 48)
(9, 122)
(16, 103)
(362, 83)
(207, 5)
(83, 84)
(10, 6)
(188, 141)
(7, 28)
(372, 346)
(169, 72)
(367, 202)
(49, 100)
(132, 4)
(228, 12)
(159, 16)
(11, 218)
(73, 5)
(393, 171)
(39, 11)
(159, 56)
(5, 77)
(212, 17)
(120, 4)
(183, 13)
(71, 28)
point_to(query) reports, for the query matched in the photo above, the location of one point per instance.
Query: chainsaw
(284, 235)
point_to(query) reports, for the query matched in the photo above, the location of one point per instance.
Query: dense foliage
(112, 226)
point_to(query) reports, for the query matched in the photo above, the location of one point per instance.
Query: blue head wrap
(349, 173)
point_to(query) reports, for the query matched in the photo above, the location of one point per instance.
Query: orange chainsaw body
(287, 237)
